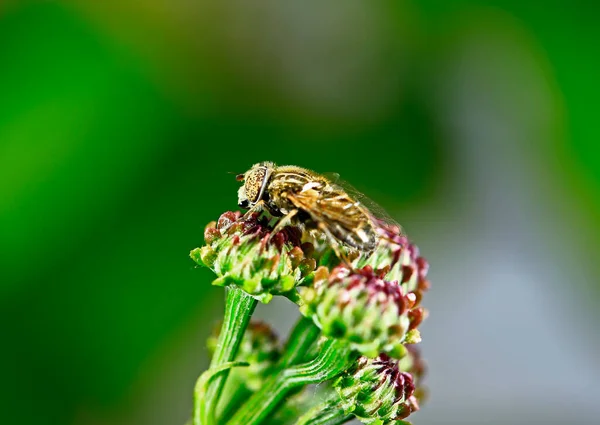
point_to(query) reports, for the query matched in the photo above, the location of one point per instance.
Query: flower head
(375, 304)
(398, 260)
(242, 251)
(377, 391)
(361, 307)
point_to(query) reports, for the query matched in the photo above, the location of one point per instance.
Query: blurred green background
(473, 122)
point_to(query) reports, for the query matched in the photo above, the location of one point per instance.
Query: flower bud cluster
(361, 307)
(242, 251)
(369, 301)
(377, 391)
(376, 304)
(399, 260)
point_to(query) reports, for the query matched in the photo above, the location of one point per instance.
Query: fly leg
(334, 244)
(259, 206)
(283, 221)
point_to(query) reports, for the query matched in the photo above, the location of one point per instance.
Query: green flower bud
(377, 391)
(242, 251)
(376, 304)
(359, 306)
(398, 260)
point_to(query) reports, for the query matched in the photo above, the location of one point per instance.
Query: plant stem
(239, 307)
(333, 358)
(326, 413)
(332, 417)
(234, 399)
(303, 336)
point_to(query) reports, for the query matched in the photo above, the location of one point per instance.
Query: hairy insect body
(308, 198)
(286, 182)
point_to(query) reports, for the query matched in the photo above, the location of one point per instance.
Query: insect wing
(337, 214)
(376, 211)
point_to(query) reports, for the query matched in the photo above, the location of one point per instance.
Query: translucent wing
(338, 215)
(375, 209)
(332, 177)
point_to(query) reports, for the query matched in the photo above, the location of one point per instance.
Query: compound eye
(239, 177)
(244, 204)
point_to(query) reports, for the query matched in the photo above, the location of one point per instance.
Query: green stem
(303, 336)
(234, 400)
(239, 307)
(326, 413)
(333, 359)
